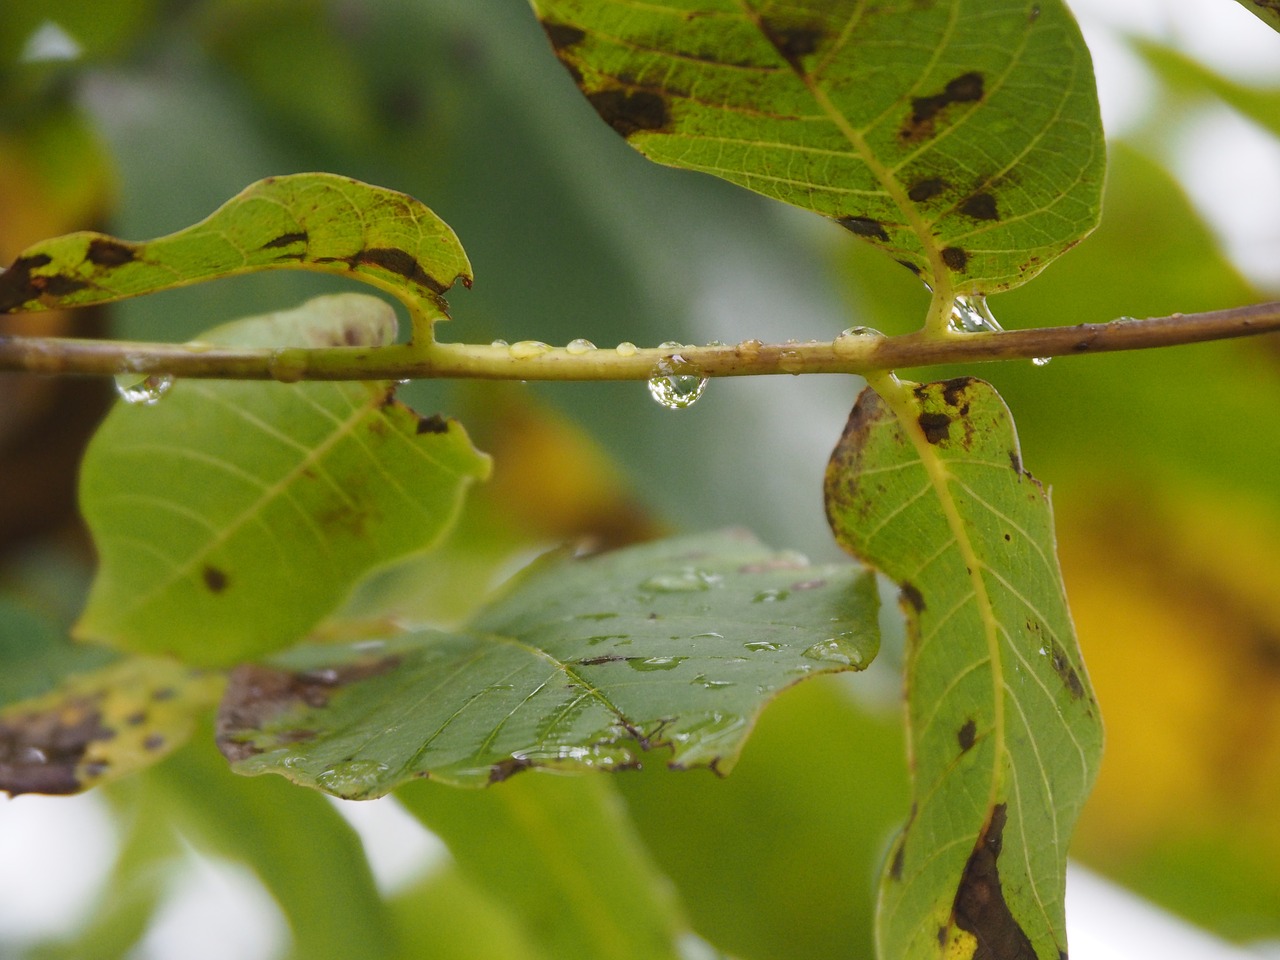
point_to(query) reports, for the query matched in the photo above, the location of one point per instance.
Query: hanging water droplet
(353, 778)
(675, 383)
(528, 349)
(972, 315)
(1041, 361)
(143, 391)
(626, 349)
(579, 346)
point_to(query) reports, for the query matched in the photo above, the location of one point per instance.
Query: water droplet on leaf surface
(676, 383)
(656, 663)
(143, 391)
(757, 645)
(353, 778)
(972, 315)
(770, 596)
(834, 650)
(686, 581)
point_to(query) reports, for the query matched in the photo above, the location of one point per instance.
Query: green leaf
(962, 137)
(674, 646)
(1183, 73)
(101, 725)
(230, 517)
(561, 855)
(309, 221)
(927, 484)
(1268, 11)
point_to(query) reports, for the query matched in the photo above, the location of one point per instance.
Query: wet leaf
(671, 648)
(310, 221)
(230, 517)
(101, 725)
(1004, 735)
(961, 137)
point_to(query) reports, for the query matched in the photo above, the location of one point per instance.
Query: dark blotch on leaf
(399, 262)
(630, 112)
(926, 189)
(980, 907)
(955, 258)
(967, 734)
(793, 42)
(432, 424)
(286, 240)
(966, 88)
(981, 206)
(913, 597)
(955, 392)
(936, 426)
(214, 579)
(913, 267)
(895, 868)
(153, 742)
(1065, 671)
(1015, 461)
(40, 751)
(562, 36)
(864, 227)
(508, 768)
(106, 252)
(58, 285)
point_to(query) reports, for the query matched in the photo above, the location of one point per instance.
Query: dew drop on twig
(143, 391)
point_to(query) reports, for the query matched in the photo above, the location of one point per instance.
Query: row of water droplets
(972, 315)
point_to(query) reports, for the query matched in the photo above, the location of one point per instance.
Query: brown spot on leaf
(562, 36)
(966, 88)
(1015, 461)
(1065, 671)
(108, 252)
(980, 907)
(286, 240)
(926, 189)
(214, 579)
(509, 767)
(912, 596)
(432, 424)
(864, 227)
(980, 206)
(955, 393)
(399, 262)
(913, 267)
(955, 258)
(137, 718)
(936, 426)
(153, 742)
(256, 694)
(895, 867)
(792, 42)
(630, 111)
(40, 751)
(967, 734)
(59, 285)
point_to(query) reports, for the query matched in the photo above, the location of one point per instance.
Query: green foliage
(271, 538)
(971, 152)
(303, 490)
(671, 648)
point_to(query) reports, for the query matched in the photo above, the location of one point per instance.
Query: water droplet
(528, 349)
(855, 333)
(757, 645)
(972, 315)
(702, 681)
(1041, 361)
(709, 635)
(834, 650)
(601, 638)
(770, 596)
(675, 383)
(686, 581)
(791, 361)
(143, 391)
(626, 349)
(499, 343)
(578, 347)
(749, 349)
(353, 778)
(656, 663)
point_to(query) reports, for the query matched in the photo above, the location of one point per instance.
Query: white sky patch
(399, 848)
(50, 42)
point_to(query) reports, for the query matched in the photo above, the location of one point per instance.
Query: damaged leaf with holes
(927, 485)
(665, 652)
(310, 221)
(231, 541)
(962, 137)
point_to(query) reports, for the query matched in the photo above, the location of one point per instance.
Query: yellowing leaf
(927, 484)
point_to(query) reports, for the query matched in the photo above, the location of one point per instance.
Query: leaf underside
(669, 649)
(230, 517)
(961, 137)
(1004, 734)
(310, 221)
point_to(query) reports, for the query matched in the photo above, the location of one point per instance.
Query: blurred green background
(141, 116)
